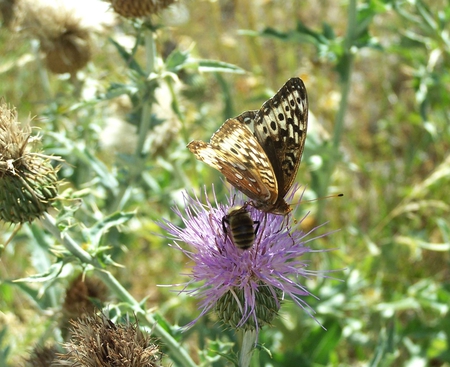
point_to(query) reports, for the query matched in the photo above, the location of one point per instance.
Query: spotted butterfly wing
(280, 127)
(234, 151)
(262, 165)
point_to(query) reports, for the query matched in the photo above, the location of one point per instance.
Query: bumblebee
(240, 227)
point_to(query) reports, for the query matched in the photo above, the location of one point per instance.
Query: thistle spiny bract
(28, 181)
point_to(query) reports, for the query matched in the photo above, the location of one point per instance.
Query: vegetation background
(378, 80)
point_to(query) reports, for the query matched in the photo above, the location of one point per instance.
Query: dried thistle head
(28, 181)
(96, 341)
(139, 8)
(8, 12)
(81, 295)
(41, 357)
(65, 40)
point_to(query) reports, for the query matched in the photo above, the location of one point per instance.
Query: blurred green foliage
(378, 80)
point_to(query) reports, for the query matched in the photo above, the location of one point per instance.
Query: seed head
(41, 357)
(65, 40)
(97, 342)
(28, 181)
(83, 296)
(139, 8)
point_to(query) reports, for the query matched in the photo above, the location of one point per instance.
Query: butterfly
(259, 151)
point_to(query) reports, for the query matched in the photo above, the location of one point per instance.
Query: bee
(241, 227)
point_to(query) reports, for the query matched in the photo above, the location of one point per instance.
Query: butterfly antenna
(233, 200)
(332, 196)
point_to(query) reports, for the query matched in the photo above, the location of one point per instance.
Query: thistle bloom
(244, 287)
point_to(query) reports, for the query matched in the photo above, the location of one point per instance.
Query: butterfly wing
(280, 128)
(247, 118)
(234, 151)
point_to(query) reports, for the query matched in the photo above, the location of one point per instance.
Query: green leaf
(328, 31)
(119, 89)
(227, 97)
(96, 232)
(326, 343)
(4, 350)
(218, 66)
(271, 33)
(128, 58)
(385, 352)
(320, 38)
(172, 330)
(52, 272)
(176, 60)
(40, 297)
(211, 66)
(82, 153)
(302, 34)
(106, 178)
(216, 348)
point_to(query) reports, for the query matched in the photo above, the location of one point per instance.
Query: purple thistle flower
(244, 287)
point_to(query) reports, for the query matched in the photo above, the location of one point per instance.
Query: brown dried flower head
(41, 357)
(96, 342)
(28, 181)
(81, 295)
(8, 12)
(139, 8)
(65, 40)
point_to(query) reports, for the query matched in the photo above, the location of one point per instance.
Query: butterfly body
(262, 164)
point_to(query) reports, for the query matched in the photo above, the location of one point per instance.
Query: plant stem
(247, 348)
(144, 126)
(136, 169)
(345, 74)
(43, 73)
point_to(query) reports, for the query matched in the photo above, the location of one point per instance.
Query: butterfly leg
(257, 222)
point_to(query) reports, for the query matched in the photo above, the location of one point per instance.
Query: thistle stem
(247, 347)
(144, 126)
(42, 71)
(345, 74)
(135, 170)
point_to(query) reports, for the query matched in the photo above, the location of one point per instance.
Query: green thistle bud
(267, 302)
(28, 181)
